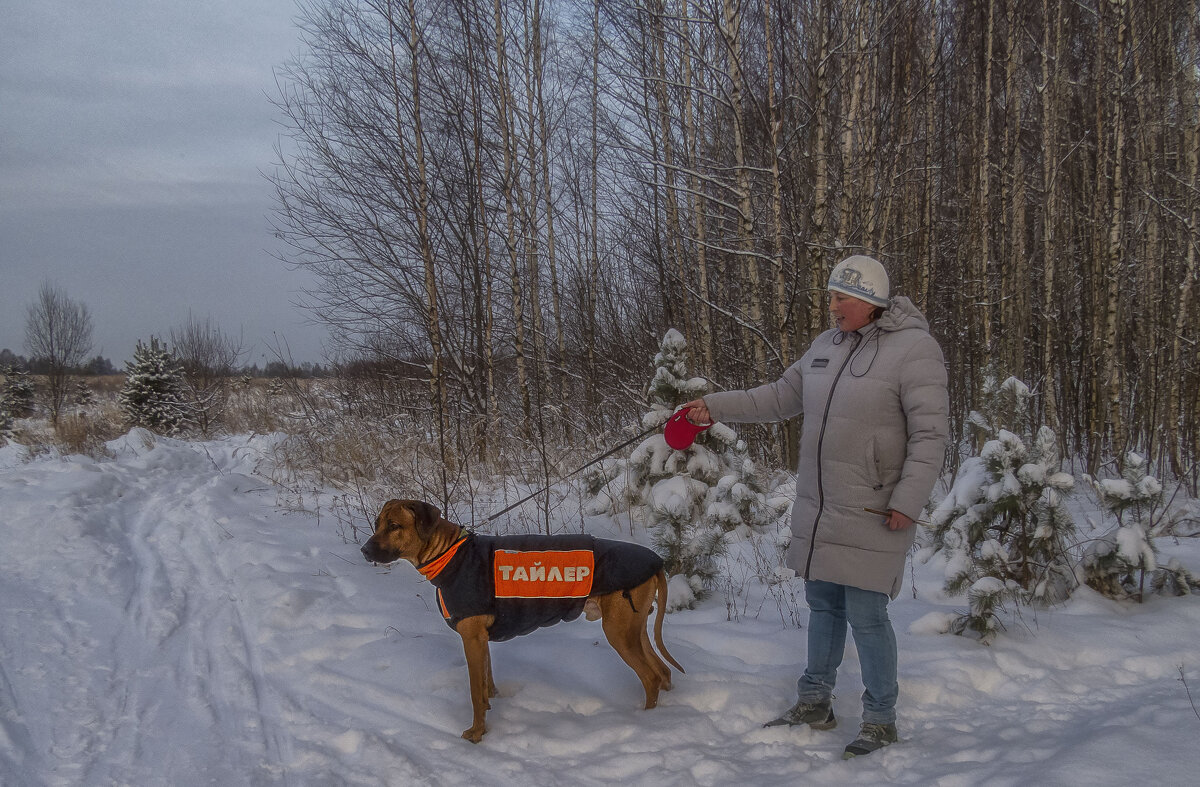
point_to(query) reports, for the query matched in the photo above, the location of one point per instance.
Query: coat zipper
(812, 543)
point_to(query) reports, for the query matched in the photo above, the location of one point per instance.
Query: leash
(604, 455)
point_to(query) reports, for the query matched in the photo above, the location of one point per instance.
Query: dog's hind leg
(621, 628)
(643, 597)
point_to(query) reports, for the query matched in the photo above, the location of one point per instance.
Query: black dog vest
(528, 582)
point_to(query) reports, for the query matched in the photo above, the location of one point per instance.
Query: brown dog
(492, 588)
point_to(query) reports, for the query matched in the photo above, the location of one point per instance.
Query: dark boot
(818, 715)
(871, 738)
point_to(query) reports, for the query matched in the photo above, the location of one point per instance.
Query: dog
(493, 588)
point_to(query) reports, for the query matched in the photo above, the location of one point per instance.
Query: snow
(166, 622)
(1117, 488)
(1131, 544)
(676, 495)
(972, 474)
(987, 586)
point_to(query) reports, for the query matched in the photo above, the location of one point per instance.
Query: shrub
(1004, 526)
(1119, 563)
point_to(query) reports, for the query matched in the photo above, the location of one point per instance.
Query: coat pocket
(874, 471)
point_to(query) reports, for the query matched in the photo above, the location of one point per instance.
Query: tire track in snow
(132, 652)
(186, 604)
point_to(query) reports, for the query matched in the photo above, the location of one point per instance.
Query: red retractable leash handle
(680, 432)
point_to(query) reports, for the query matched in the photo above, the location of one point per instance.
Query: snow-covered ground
(164, 622)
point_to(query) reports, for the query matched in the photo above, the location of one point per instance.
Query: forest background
(510, 202)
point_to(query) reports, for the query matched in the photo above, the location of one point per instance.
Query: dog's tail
(661, 603)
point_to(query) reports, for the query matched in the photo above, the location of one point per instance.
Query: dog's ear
(427, 515)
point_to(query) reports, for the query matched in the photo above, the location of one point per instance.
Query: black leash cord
(605, 455)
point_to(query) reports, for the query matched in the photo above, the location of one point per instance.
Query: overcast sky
(133, 135)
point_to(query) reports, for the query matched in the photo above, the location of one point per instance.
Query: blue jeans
(831, 607)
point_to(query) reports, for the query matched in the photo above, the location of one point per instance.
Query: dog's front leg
(474, 633)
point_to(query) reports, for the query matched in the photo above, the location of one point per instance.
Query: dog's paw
(474, 734)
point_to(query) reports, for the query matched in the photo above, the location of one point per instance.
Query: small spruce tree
(16, 393)
(82, 395)
(1119, 563)
(688, 499)
(153, 394)
(1004, 526)
(6, 419)
(16, 398)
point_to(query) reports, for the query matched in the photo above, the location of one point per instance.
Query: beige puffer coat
(874, 436)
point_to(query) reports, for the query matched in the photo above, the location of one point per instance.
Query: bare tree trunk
(674, 232)
(551, 247)
(928, 233)
(504, 98)
(529, 202)
(784, 325)
(1014, 274)
(818, 263)
(696, 202)
(437, 383)
(1178, 414)
(1049, 97)
(852, 163)
(1112, 367)
(592, 284)
(479, 230)
(981, 306)
(731, 33)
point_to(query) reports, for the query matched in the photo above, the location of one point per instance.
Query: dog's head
(402, 530)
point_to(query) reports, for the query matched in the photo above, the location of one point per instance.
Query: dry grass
(86, 433)
(257, 407)
(82, 431)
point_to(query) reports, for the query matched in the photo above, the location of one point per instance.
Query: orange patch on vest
(552, 574)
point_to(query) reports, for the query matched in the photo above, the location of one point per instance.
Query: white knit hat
(863, 278)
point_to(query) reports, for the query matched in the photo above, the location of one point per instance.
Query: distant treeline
(100, 366)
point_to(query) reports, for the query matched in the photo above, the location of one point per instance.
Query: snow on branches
(1004, 526)
(690, 499)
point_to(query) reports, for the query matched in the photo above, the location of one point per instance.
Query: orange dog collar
(435, 566)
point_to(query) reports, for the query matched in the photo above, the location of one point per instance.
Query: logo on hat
(851, 279)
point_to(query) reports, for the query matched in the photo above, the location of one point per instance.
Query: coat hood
(900, 315)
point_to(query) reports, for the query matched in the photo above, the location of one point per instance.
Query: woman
(872, 391)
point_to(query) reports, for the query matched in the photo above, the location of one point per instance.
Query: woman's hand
(697, 412)
(897, 520)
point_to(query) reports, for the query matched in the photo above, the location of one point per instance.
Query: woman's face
(849, 313)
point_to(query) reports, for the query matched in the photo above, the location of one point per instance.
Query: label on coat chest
(820, 363)
(549, 574)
